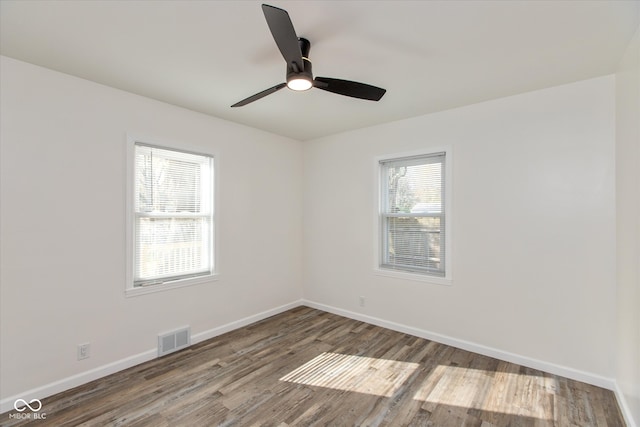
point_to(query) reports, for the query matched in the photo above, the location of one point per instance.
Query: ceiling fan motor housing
(293, 71)
(304, 74)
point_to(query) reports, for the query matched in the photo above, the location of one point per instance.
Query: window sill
(143, 290)
(416, 277)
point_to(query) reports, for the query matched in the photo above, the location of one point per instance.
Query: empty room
(320, 213)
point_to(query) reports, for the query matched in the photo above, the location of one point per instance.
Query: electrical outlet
(362, 301)
(83, 351)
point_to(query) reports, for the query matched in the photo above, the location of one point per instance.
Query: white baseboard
(119, 365)
(624, 407)
(78, 379)
(586, 377)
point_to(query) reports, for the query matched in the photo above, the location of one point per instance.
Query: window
(413, 217)
(172, 220)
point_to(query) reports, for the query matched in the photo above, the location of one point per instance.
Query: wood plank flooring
(306, 367)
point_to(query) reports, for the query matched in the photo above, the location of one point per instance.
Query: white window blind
(412, 214)
(173, 215)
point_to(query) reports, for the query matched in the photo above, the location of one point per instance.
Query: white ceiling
(429, 55)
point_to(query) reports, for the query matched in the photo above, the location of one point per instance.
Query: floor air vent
(174, 341)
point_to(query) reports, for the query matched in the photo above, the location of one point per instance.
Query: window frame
(380, 223)
(130, 288)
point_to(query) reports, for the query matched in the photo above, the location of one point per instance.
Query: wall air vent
(174, 341)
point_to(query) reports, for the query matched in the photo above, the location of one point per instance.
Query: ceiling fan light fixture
(299, 83)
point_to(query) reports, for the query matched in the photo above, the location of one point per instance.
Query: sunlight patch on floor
(491, 391)
(380, 377)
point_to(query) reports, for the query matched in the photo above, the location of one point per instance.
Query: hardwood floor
(308, 367)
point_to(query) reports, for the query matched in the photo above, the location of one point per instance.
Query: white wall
(533, 226)
(63, 236)
(628, 226)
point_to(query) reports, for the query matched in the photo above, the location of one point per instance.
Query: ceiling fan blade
(349, 88)
(259, 95)
(284, 35)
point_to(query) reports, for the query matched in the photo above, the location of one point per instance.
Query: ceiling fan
(295, 51)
